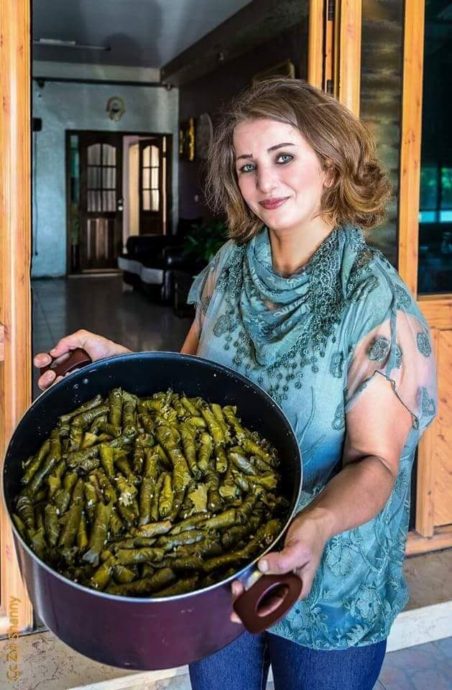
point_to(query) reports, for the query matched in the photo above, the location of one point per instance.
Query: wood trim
(349, 67)
(437, 309)
(425, 486)
(2, 342)
(410, 157)
(15, 256)
(441, 539)
(330, 48)
(315, 42)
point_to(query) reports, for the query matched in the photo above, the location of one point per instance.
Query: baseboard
(137, 681)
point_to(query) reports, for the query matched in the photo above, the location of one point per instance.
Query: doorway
(117, 184)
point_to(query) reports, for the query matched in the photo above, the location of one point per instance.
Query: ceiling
(141, 33)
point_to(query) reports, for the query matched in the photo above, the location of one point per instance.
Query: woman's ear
(329, 174)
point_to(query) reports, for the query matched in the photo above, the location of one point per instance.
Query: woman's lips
(270, 204)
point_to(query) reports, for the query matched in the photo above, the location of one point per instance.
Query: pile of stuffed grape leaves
(150, 497)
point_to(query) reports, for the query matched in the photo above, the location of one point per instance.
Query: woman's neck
(291, 250)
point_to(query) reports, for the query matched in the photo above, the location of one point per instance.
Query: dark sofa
(151, 263)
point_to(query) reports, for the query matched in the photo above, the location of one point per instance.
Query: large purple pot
(144, 633)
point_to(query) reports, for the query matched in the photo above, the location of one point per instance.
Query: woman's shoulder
(372, 278)
(209, 278)
(375, 294)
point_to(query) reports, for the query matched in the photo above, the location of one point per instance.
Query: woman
(298, 302)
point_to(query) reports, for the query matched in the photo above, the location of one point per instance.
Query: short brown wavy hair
(359, 188)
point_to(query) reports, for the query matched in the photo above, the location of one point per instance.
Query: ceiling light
(60, 43)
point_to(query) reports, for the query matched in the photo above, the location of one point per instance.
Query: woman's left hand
(303, 548)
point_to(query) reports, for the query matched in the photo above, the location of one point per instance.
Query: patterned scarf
(280, 313)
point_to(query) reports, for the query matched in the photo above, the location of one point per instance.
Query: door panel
(100, 200)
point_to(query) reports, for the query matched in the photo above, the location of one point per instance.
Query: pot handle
(287, 586)
(76, 359)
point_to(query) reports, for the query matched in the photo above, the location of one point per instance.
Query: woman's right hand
(95, 345)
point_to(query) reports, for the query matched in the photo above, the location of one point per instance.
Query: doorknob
(120, 206)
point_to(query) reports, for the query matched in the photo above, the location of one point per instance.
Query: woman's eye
(248, 167)
(284, 158)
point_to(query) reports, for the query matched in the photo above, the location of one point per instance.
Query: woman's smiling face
(279, 174)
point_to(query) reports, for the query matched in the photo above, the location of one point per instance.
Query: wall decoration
(187, 139)
(281, 69)
(204, 133)
(115, 108)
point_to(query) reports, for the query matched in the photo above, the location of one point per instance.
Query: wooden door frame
(15, 290)
(334, 49)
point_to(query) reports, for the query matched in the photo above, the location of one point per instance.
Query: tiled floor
(100, 304)
(425, 667)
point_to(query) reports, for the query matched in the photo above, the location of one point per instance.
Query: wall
(211, 92)
(64, 106)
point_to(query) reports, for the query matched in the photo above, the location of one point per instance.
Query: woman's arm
(97, 347)
(191, 342)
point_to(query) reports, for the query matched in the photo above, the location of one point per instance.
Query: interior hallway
(105, 306)
(102, 305)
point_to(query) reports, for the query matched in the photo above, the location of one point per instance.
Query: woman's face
(279, 174)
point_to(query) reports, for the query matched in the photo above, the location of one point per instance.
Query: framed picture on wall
(204, 133)
(187, 139)
(281, 69)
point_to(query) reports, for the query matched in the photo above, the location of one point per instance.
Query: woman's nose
(266, 180)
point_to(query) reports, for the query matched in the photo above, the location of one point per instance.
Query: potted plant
(204, 240)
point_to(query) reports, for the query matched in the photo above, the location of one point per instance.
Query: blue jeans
(244, 665)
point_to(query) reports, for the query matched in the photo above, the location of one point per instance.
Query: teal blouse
(315, 341)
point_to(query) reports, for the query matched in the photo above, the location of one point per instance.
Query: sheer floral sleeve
(203, 287)
(399, 348)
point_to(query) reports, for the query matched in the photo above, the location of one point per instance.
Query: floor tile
(424, 667)
(445, 646)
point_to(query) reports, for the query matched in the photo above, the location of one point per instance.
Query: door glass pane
(109, 178)
(155, 200)
(108, 154)
(146, 180)
(94, 153)
(435, 212)
(381, 99)
(146, 156)
(155, 178)
(154, 156)
(94, 201)
(146, 201)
